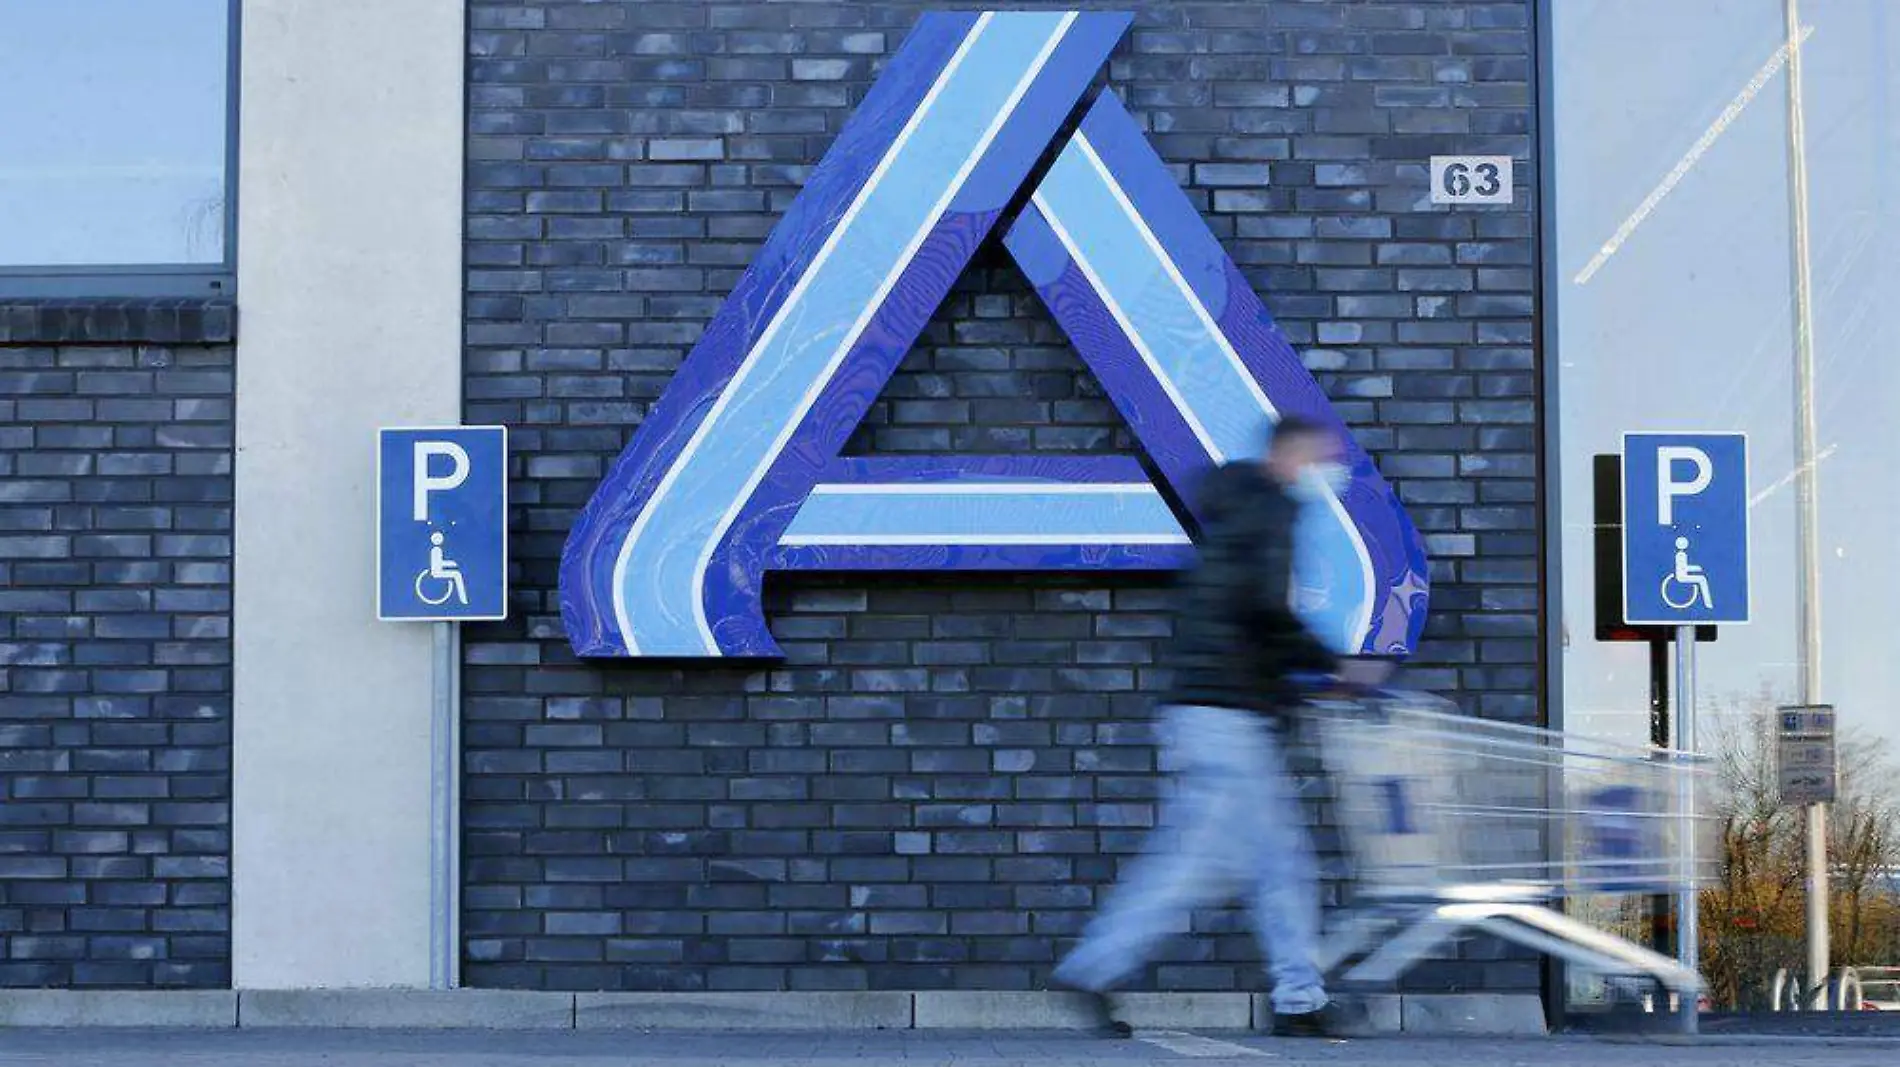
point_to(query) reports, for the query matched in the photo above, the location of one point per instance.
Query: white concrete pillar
(349, 318)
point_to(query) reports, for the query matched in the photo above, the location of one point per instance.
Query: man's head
(1299, 446)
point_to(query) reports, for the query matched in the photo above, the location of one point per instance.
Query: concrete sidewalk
(1417, 1015)
(391, 1048)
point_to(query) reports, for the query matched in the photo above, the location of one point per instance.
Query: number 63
(1458, 179)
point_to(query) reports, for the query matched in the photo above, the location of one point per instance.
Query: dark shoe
(1305, 1024)
(1100, 1010)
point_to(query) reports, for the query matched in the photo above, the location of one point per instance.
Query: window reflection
(1675, 286)
(113, 132)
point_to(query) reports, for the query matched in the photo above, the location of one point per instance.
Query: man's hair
(1294, 427)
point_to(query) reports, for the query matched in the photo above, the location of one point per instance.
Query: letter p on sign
(1685, 528)
(1668, 488)
(426, 483)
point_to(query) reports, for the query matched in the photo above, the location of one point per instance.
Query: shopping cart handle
(1331, 688)
(1352, 676)
(1310, 684)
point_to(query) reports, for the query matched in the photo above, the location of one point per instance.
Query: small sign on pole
(1807, 764)
(1685, 528)
(442, 524)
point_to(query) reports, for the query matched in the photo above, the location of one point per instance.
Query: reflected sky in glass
(113, 126)
(1687, 321)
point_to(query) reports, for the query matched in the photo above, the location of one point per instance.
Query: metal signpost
(1685, 563)
(1806, 764)
(442, 557)
(1807, 769)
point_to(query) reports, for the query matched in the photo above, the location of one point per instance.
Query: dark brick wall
(115, 665)
(935, 787)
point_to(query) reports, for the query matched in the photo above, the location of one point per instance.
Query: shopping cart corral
(1458, 826)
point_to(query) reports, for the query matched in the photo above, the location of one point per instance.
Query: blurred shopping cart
(1457, 826)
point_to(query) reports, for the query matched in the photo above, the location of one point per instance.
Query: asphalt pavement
(335, 1048)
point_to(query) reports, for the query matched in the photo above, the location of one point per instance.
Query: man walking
(1233, 822)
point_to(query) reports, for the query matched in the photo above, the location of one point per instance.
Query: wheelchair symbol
(1687, 581)
(443, 574)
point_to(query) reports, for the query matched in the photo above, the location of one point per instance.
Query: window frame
(116, 281)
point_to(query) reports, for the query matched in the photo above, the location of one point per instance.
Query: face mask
(1322, 480)
(1308, 488)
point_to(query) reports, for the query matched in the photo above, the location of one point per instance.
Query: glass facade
(116, 130)
(1726, 210)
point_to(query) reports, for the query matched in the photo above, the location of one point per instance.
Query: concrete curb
(743, 1011)
(71, 1008)
(409, 1009)
(1459, 1014)
(1472, 1015)
(978, 1010)
(983, 1010)
(1362, 1015)
(1187, 1011)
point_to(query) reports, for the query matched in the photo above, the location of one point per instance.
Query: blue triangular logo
(735, 473)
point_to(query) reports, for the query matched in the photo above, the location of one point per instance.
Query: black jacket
(1236, 638)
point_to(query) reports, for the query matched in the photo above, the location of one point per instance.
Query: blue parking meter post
(1685, 529)
(442, 524)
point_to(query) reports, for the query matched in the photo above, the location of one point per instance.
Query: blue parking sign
(1685, 528)
(442, 524)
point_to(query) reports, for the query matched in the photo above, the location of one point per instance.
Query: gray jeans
(1232, 825)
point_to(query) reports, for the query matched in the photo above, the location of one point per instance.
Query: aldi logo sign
(735, 473)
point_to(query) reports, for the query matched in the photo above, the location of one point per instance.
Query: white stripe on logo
(871, 540)
(778, 320)
(1174, 273)
(981, 488)
(1363, 623)
(872, 306)
(1128, 329)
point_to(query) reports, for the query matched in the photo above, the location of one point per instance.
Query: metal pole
(1660, 906)
(1688, 924)
(1807, 518)
(1818, 949)
(442, 810)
